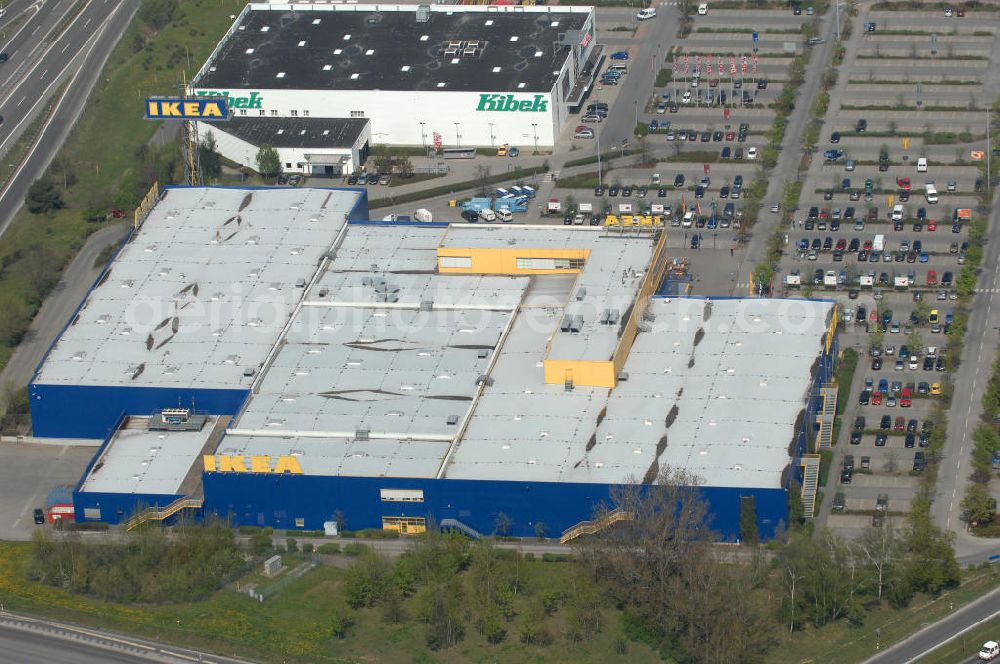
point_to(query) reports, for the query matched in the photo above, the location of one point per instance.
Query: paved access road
(941, 632)
(78, 55)
(26, 640)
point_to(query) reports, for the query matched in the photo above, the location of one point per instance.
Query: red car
(899, 424)
(906, 398)
(876, 398)
(932, 225)
(730, 135)
(931, 277)
(824, 214)
(841, 244)
(903, 183)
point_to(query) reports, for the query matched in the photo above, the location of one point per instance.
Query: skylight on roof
(405, 68)
(316, 21)
(302, 43)
(280, 132)
(538, 54)
(265, 28)
(496, 70)
(337, 51)
(355, 77)
(554, 24)
(327, 67)
(441, 85)
(347, 38)
(514, 38)
(281, 74)
(249, 51)
(326, 132)
(455, 61)
(520, 86)
(370, 51)
(424, 37)
(489, 21)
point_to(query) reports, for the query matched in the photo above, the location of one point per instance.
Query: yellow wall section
(494, 260)
(581, 372)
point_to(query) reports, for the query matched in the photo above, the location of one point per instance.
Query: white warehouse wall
(396, 115)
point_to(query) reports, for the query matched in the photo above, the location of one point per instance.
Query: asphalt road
(939, 633)
(26, 640)
(80, 52)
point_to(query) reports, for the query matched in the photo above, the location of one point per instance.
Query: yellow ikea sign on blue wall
(205, 108)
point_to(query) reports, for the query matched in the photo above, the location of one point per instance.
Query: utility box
(273, 566)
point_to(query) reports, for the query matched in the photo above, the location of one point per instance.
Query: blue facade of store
(279, 500)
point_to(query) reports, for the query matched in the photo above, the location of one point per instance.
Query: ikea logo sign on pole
(215, 108)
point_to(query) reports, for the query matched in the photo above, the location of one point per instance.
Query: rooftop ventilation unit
(484, 379)
(648, 316)
(622, 376)
(423, 14)
(566, 323)
(361, 434)
(581, 293)
(576, 325)
(644, 327)
(453, 420)
(426, 305)
(606, 317)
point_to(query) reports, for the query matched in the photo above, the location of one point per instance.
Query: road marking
(43, 74)
(22, 100)
(88, 20)
(64, 47)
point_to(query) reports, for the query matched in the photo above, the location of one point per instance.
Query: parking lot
(882, 226)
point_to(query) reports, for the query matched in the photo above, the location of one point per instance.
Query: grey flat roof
(366, 47)
(373, 388)
(202, 291)
(289, 132)
(148, 462)
(609, 280)
(736, 404)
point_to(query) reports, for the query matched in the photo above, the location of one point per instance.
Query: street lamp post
(492, 136)
(534, 126)
(423, 137)
(636, 112)
(458, 137)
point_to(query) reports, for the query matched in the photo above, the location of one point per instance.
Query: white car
(752, 153)
(646, 14)
(989, 651)
(702, 9)
(686, 99)
(897, 212)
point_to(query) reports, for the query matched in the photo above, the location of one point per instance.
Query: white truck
(553, 206)
(866, 281)
(901, 281)
(793, 280)
(830, 279)
(878, 244)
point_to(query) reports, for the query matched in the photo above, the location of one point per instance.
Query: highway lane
(941, 632)
(42, 67)
(25, 640)
(81, 51)
(24, 48)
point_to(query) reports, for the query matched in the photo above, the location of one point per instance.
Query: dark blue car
(619, 55)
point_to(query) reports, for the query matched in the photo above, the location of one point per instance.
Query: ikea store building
(271, 356)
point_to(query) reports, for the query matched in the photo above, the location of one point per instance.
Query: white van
(930, 193)
(702, 9)
(897, 212)
(620, 68)
(922, 165)
(688, 219)
(504, 215)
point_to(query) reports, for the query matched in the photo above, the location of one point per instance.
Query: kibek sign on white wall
(502, 102)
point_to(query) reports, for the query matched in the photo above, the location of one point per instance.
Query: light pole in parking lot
(600, 181)
(534, 125)
(492, 135)
(423, 137)
(637, 111)
(458, 137)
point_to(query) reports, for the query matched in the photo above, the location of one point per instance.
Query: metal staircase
(595, 526)
(455, 524)
(810, 483)
(161, 513)
(826, 417)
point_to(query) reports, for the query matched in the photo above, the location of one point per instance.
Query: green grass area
(100, 167)
(296, 624)
(840, 643)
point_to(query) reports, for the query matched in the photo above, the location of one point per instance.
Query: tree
(921, 310)
(342, 619)
(884, 552)
(978, 507)
(43, 197)
(404, 166)
(367, 580)
(268, 161)
(502, 525)
(157, 13)
(748, 520)
(382, 159)
(483, 178)
(211, 160)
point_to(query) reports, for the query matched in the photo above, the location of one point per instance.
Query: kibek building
(461, 75)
